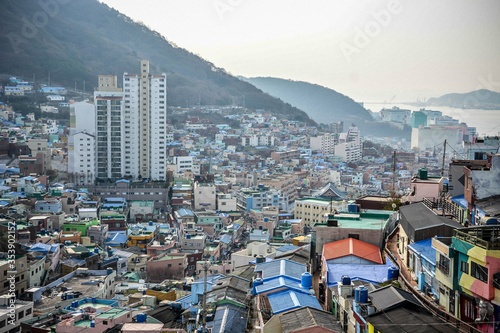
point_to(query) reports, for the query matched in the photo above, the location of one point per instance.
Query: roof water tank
(188, 236)
(422, 174)
(346, 280)
(109, 271)
(266, 219)
(353, 208)
(392, 273)
(141, 318)
(306, 280)
(92, 324)
(150, 222)
(260, 259)
(94, 300)
(361, 294)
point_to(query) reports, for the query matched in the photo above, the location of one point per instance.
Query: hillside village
(138, 216)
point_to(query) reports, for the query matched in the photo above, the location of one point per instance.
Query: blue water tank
(257, 282)
(176, 305)
(188, 236)
(392, 273)
(109, 271)
(489, 221)
(353, 208)
(74, 305)
(346, 280)
(266, 219)
(94, 300)
(96, 250)
(306, 280)
(42, 232)
(141, 318)
(361, 294)
(92, 324)
(150, 222)
(260, 227)
(260, 259)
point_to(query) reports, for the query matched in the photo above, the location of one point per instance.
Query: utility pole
(444, 156)
(205, 267)
(442, 175)
(394, 174)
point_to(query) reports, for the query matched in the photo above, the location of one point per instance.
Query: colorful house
(477, 251)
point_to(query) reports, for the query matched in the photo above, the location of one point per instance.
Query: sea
(487, 122)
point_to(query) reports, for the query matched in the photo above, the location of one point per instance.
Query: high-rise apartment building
(81, 143)
(108, 101)
(144, 124)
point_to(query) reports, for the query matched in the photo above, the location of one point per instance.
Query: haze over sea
(487, 122)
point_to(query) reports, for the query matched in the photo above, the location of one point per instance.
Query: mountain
(478, 99)
(78, 40)
(325, 105)
(322, 104)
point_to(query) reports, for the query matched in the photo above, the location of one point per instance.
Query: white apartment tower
(81, 143)
(144, 124)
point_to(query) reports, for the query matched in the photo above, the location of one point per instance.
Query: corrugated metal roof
(281, 282)
(281, 267)
(288, 299)
(389, 296)
(230, 318)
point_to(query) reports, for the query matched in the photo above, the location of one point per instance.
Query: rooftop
(354, 247)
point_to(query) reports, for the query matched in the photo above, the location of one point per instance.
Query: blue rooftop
(184, 212)
(117, 238)
(281, 267)
(288, 247)
(425, 249)
(459, 199)
(230, 318)
(288, 299)
(279, 283)
(368, 273)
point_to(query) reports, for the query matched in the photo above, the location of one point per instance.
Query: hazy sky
(368, 50)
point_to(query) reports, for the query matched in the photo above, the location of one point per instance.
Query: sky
(372, 51)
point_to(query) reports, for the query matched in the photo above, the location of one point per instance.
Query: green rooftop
(370, 220)
(112, 313)
(83, 323)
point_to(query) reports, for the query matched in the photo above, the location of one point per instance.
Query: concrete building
(144, 131)
(204, 196)
(41, 146)
(12, 314)
(109, 123)
(314, 210)
(426, 187)
(428, 137)
(82, 143)
(396, 115)
(325, 144)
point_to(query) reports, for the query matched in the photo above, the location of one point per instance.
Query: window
(169, 265)
(105, 322)
(479, 272)
(20, 315)
(444, 264)
(464, 267)
(28, 311)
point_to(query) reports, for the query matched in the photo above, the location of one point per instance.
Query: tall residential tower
(144, 124)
